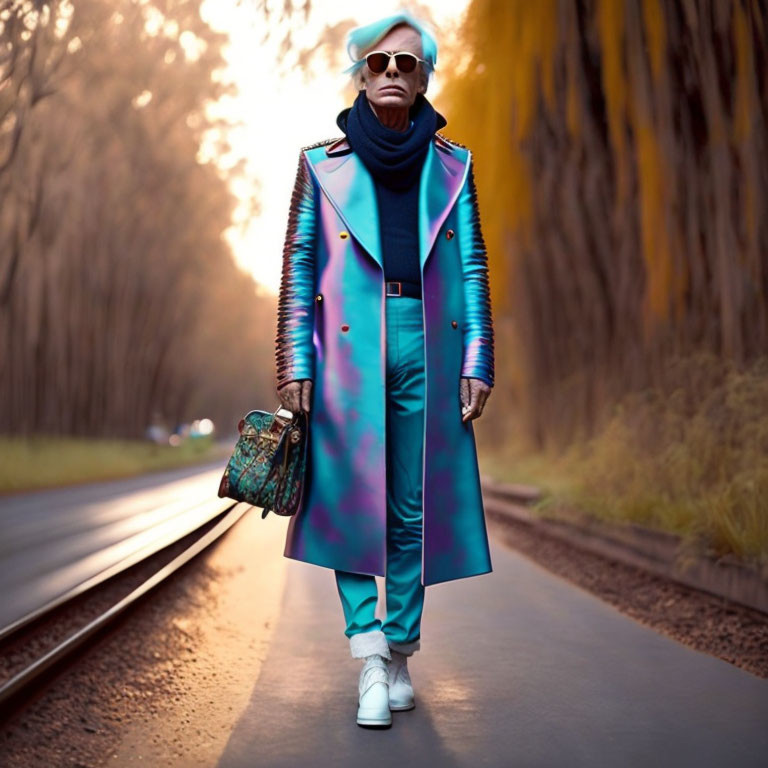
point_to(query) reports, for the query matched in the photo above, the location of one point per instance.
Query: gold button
(345, 327)
(343, 234)
(319, 297)
(454, 324)
(449, 234)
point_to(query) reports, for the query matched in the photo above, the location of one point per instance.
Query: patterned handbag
(268, 464)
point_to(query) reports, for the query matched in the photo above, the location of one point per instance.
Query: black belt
(403, 288)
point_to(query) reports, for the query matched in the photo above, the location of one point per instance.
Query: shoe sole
(375, 723)
(401, 707)
(376, 717)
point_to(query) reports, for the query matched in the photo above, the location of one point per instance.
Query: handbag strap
(286, 477)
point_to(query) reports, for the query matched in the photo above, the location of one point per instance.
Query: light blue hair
(361, 38)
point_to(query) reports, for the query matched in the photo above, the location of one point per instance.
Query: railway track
(207, 522)
(30, 657)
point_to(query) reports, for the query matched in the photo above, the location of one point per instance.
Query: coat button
(345, 327)
(343, 234)
(454, 324)
(449, 234)
(319, 297)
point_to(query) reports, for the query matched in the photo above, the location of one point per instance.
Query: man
(385, 338)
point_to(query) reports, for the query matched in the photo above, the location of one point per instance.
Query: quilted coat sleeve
(478, 360)
(294, 351)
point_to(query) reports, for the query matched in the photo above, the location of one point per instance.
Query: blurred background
(147, 155)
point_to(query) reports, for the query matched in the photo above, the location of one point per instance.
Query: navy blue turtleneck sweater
(395, 160)
(399, 224)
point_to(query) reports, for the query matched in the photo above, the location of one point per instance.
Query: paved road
(517, 668)
(56, 539)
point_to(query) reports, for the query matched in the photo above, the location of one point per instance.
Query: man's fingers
(464, 391)
(290, 396)
(471, 412)
(479, 393)
(306, 391)
(481, 400)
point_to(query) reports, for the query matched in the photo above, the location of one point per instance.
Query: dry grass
(689, 457)
(37, 462)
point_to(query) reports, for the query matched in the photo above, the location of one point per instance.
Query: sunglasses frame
(390, 55)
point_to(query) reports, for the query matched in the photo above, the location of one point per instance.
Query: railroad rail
(14, 690)
(661, 553)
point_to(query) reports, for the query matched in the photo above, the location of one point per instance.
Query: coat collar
(350, 188)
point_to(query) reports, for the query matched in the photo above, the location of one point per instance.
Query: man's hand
(294, 396)
(474, 393)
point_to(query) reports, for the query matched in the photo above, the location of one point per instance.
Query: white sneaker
(400, 686)
(373, 687)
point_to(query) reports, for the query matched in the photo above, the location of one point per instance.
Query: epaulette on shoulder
(319, 144)
(339, 147)
(447, 144)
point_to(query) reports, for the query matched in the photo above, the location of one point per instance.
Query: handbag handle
(279, 406)
(294, 415)
(276, 425)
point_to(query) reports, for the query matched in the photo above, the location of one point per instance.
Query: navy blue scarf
(393, 157)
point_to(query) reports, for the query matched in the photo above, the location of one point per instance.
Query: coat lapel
(349, 186)
(441, 180)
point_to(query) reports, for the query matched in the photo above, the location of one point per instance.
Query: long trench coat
(331, 328)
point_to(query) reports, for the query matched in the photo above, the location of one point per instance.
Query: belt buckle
(399, 288)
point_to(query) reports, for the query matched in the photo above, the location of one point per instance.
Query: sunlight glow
(279, 115)
(142, 99)
(194, 47)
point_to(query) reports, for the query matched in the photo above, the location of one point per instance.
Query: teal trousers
(405, 424)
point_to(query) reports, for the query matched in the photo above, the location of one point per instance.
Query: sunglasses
(406, 62)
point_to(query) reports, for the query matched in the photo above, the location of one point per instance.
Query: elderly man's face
(393, 88)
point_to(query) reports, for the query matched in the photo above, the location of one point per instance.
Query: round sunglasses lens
(405, 62)
(377, 62)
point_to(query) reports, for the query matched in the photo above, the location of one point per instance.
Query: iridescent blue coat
(331, 329)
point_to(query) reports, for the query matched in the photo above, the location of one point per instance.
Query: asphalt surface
(56, 539)
(517, 668)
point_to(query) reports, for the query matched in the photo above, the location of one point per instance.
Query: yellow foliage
(622, 218)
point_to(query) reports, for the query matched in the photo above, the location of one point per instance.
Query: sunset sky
(282, 114)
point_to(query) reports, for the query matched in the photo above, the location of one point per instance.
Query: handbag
(268, 464)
